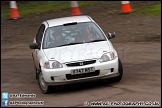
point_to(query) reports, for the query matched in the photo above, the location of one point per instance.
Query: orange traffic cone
(74, 8)
(14, 14)
(126, 7)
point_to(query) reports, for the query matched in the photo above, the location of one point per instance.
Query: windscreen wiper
(97, 40)
(73, 43)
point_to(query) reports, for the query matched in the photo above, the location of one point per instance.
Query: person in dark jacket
(58, 39)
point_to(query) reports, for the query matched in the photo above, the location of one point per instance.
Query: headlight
(52, 65)
(107, 57)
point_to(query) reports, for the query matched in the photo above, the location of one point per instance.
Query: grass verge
(32, 7)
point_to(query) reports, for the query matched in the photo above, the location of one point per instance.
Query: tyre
(42, 84)
(120, 69)
(118, 78)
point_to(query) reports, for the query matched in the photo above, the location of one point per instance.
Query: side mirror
(34, 46)
(111, 35)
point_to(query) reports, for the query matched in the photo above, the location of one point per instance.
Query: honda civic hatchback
(71, 50)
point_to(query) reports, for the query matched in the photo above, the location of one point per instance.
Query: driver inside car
(58, 39)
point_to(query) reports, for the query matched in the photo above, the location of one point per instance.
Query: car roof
(70, 19)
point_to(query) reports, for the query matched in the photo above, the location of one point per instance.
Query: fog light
(112, 69)
(52, 78)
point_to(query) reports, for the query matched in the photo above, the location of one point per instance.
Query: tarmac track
(141, 80)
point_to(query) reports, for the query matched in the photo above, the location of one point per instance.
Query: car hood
(77, 52)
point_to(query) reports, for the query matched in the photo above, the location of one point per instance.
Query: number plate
(83, 70)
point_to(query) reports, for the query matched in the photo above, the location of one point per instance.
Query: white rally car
(73, 61)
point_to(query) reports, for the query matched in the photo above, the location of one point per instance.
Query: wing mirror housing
(111, 35)
(34, 46)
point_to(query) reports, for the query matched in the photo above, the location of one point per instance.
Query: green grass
(149, 10)
(33, 7)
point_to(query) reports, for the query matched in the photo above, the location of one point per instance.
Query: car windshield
(72, 34)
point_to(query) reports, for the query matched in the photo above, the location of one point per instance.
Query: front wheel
(42, 84)
(120, 70)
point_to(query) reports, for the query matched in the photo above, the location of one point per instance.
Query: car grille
(81, 63)
(84, 75)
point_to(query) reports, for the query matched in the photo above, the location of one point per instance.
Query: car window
(39, 34)
(74, 33)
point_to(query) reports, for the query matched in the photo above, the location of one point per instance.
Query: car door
(38, 38)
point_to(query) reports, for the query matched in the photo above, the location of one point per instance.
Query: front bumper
(59, 76)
